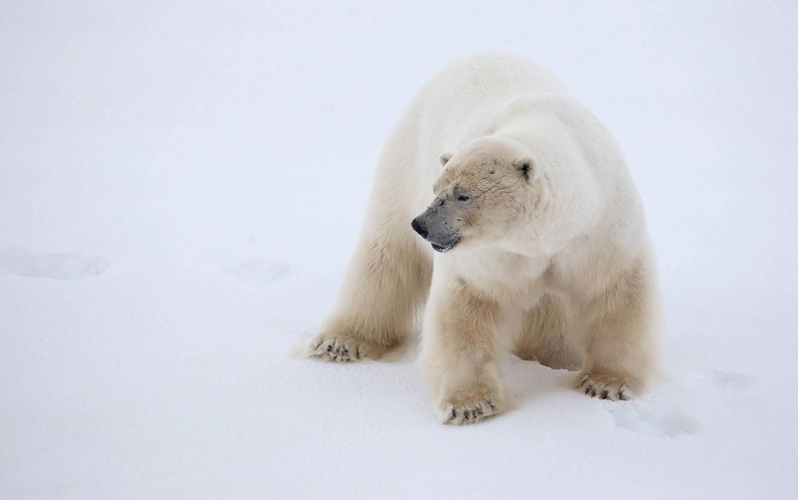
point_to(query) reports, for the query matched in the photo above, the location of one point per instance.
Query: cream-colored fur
(543, 244)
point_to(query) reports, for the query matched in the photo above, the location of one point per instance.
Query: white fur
(554, 264)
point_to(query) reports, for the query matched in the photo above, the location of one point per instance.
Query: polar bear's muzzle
(437, 226)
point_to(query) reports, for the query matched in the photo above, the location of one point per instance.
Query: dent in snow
(61, 266)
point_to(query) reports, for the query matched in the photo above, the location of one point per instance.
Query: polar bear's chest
(501, 273)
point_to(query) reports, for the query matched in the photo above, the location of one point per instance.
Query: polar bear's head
(484, 195)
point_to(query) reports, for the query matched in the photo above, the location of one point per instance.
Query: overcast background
(181, 185)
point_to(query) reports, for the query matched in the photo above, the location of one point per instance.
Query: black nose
(419, 228)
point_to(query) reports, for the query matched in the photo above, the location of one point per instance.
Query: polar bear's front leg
(619, 337)
(461, 353)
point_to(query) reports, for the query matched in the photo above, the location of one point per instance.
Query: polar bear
(507, 208)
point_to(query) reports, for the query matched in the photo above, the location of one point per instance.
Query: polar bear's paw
(343, 348)
(604, 387)
(469, 410)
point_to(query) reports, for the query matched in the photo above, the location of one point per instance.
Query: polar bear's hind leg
(543, 337)
(389, 273)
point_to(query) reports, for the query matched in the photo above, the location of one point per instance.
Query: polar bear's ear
(527, 166)
(444, 158)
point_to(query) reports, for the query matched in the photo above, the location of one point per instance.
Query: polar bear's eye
(463, 197)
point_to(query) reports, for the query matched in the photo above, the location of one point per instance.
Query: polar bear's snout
(436, 226)
(418, 226)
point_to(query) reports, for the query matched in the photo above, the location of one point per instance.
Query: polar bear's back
(469, 86)
(494, 72)
(485, 77)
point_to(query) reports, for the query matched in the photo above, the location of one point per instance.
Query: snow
(181, 184)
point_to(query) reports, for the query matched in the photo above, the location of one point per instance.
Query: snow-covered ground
(181, 184)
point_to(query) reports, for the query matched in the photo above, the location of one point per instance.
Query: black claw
(622, 396)
(454, 414)
(587, 390)
(592, 392)
(329, 348)
(605, 394)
